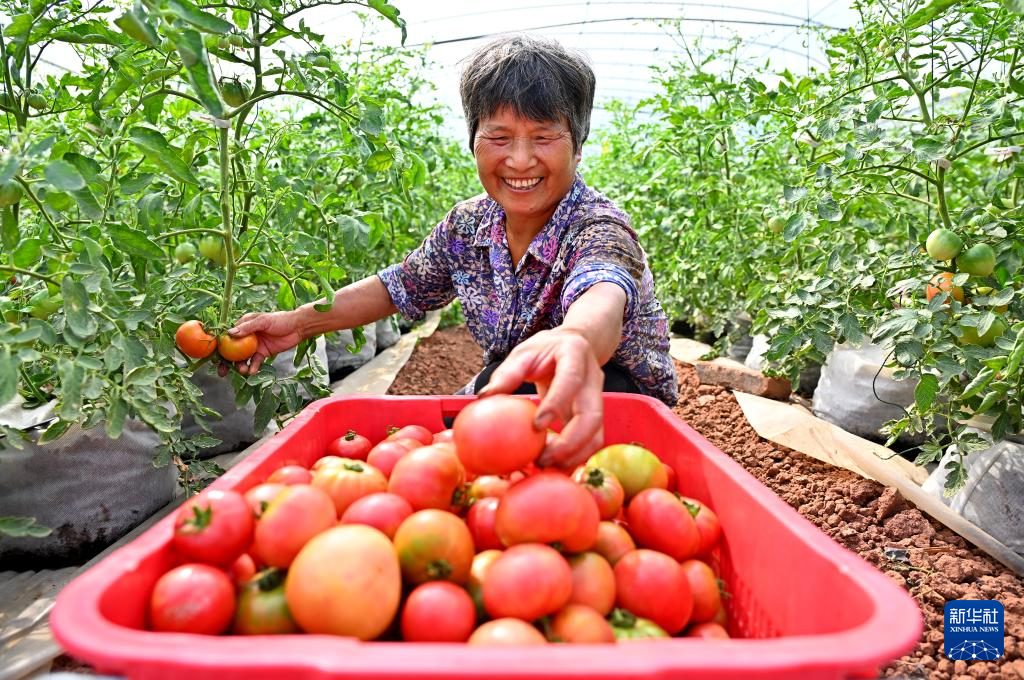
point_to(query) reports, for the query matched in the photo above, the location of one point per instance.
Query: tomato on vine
(194, 341)
(237, 349)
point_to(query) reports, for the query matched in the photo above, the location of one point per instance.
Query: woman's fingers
(583, 432)
(250, 323)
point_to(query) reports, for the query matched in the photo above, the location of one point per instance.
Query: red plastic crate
(802, 606)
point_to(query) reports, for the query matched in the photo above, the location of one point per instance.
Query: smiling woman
(553, 282)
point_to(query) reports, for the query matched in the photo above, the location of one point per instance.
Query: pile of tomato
(450, 537)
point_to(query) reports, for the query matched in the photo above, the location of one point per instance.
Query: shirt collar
(544, 246)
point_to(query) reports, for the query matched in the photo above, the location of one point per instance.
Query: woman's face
(527, 166)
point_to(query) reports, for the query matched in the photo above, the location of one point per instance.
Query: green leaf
(983, 378)
(956, 478)
(157, 149)
(926, 14)
(204, 21)
(355, 233)
(391, 12)
(9, 231)
(87, 203)
(64, 176)
(193, 53)
(265, 410)
(794, 226)
(135, 24)
(88, 168)
(924, 393)
(134, 242)
(794, 194)
(21, 527)
(8, 375)
(1015, 6)
(380, 161)
(851, 329)
(55, 430)
(829, 210)
(76, 308)
(908, 352)
(928, 149)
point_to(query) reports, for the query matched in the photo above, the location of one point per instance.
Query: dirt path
(860, 515)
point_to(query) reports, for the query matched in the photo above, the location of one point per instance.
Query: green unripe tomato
(970, 335)
(233, 92)
(943, 244)
(212, 248)
(184, 252)
(37, 101)
(236, 40)
(776, 224)
(978, 260)
(43, 306)
(10, 193)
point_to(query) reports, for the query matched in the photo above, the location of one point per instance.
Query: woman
(552, 280)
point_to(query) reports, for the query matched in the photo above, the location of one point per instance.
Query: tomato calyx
(462, 497)
(692, 508)
(595, 477)
(390, 430)
(200, 519)
(622, 618)
(353, 467)
(270, 579)
(439, 570)
(350, 435)
(263, 508)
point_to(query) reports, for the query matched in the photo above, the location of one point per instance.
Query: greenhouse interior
(382, 339)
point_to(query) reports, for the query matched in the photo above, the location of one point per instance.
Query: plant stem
(940, 190)
(225, 217)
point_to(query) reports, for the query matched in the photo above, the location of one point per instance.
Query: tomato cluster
(441, 537)
(193, 340)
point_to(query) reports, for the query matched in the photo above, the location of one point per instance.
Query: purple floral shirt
(588, 240)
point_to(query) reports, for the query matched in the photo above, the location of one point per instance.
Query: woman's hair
(536, 77)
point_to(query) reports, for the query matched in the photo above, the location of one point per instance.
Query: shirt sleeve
(605, 252)
(422, 281)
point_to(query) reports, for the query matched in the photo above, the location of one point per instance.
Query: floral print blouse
(588, 240)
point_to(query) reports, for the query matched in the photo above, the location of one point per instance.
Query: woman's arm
(565, 364)
(356, 304)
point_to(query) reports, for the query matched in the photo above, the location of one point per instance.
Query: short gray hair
(536, 77)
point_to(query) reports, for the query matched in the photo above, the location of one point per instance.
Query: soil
(441, 363)
(859, 514)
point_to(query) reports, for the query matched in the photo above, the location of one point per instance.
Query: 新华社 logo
(974, 630)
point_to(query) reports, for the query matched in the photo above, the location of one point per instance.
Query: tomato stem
(225, 215)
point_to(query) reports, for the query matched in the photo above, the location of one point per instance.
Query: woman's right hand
(275, 332)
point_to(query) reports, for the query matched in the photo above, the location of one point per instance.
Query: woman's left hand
(569, 380)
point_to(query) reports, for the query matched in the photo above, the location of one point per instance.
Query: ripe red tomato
(708, 526)
(348, 482)
(260, 496)
(943, 283)
(242, 569)
(635, 467)
(707, 631)
(654, 586)
(383, 456)
(488, 486)
(328, 461)
(480, 521)
(613, 541)
(548, 508)
(659, 520)
(580, 624)
(502, 632)
(593, 582)
(262, 607)
(721, 617)
(346, 581)
(526, 582)
(434, 545)
(427, 477)
(298, 514)
(350, 445)
(290, 474)
(193, 341)
(707, 599)
(237, 349)
(383, 511)
(417, 432)
(603, 486)
(192, 598)
(438, 612)
(444, 436)
(477, 573)
(495, 436)
(214, 527)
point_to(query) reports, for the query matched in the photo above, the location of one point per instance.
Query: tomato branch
(39, 204)
(982, 143)
(181, 232)
(168, 90)
(904, 168)
(323, 102)
(28, 272)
